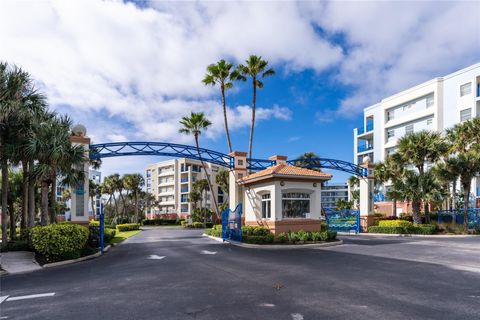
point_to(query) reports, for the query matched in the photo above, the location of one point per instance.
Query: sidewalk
(18, 262)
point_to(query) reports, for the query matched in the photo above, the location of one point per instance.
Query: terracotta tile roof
(288, 171)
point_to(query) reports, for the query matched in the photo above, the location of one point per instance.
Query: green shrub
(214, 232)
(209, 224)
(331, 235)
(268, 238)
(197, 225)
(395, 223)
(108, 235)
(184, 224)
(59, 240)
(425, 229)
(94, 223)
(128, 227)
(390, 230)
(317, 236)
(303, 236)
(323, 226)
(282, 237)
(293, 237)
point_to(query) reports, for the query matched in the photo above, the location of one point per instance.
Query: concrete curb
(278, 246)
(409, 235)
(62, 263)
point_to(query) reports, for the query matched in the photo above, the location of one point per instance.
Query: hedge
(257, 235)
(215, 231)
(304, 236)
(395, 223)
(160, 222)
(64, 240)
(128, 227)
(425, 229)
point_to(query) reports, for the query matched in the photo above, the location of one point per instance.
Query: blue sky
(131, 70)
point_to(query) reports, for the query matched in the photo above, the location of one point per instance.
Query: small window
(240, 175)
(429, 101)
(266, 206)
(390, 115)
(240, 162)
(390, 134)
(465, 89)
(406, 107)
(429, 122)
(409, 129)
(465, 115)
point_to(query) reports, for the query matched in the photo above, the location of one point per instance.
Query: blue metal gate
(343, 220)
(232, 224)
(456, 216)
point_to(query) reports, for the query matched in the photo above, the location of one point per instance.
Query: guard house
(284, 197)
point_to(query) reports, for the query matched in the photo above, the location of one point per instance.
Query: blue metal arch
(118, 149)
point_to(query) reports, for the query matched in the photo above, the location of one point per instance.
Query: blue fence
(343, 220)
(232, 224)
(457, 216)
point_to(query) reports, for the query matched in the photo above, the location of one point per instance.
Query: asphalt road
(178, 274)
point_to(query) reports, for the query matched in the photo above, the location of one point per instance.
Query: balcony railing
(184, 190)
(184, 200)
(184, 210)
(365, 147)
(184, 180)
(366, 129)
(478, 90)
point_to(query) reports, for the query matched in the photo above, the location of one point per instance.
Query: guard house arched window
(295, 205)
(266, 206)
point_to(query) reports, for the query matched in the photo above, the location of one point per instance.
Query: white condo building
(171, 181)
(436, 105)
(332, 192)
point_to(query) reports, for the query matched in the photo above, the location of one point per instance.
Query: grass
(120, 236)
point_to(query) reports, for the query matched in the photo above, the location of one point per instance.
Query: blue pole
(102, 227)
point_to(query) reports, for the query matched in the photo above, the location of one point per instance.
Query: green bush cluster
(395, 224)
(17, 245)
(215, 231)
(425, 229)
(65, 240)
(109, 234)
(197, 225)
(128, 227)
(257, 235)
(306, 236)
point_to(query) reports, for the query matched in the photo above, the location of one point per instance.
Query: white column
(366, 189)
(239, 171)
(79, 193)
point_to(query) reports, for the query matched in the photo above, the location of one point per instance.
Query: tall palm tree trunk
(225, 119)
(31, 196)
(454, 194)
(466, 198)
(23, 220)
(136, 206)
(4, 201)
(53, 199)
(394, 206)
(12, 221)
(416, 211)
(207, 177)
(44, 204)
(252, 125)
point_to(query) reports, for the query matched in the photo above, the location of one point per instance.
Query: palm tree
(18, 102)
(308, 159)
(194, 125)
(133, 183)
(219, 74)
(446, 175)
(254, 68)
(467, 166)
(389, 171)
(92, 193)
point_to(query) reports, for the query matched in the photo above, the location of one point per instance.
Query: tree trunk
(394, 206)
(4, 201)
(454, 194)
(23, 219)
(416, 212)
(92, 203)
(44, 204)
(225, 119)
(466, 198)
(31, 196)
(53, 199)
(136, 206)
(252, 125)
(207, 177)
(426, 210)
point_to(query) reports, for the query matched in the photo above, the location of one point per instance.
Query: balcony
(366, 129)
(184, 200)
(184, 179)
(184, 190)
(184, 210)
(364, 147)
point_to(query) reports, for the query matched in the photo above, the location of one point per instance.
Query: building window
(240, 175)
(390, 134)
(409, 129)
(465, 115)
(406, 107)
(429, 122)
(266, 206)
(295, 205)
(465, 89)
(429, 101)
(240, 162)
(390, 115)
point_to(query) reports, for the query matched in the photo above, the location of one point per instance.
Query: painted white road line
(297, 316)
(32, 296)
(3, 298)
(4, 317)
(208, 252)
(155, 257)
